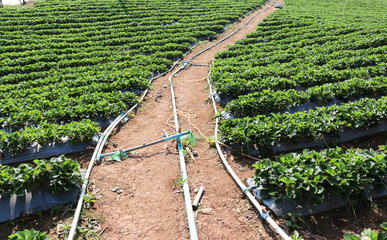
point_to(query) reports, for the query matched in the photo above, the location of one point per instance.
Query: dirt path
(151, 206)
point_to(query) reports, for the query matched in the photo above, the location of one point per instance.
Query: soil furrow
(151, 205)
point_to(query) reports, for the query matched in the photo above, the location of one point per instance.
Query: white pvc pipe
(187, 196)
(195, 203)
(251, 18)
(190, 216)
(98, 151)
(110, 128)
(236, 178)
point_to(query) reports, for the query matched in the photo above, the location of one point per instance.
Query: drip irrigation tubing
(224, 39)
(101, 143)
(98, 150)
(190, 116)
(190, 216)
(262, 210)
(103, 138)
(187, 196)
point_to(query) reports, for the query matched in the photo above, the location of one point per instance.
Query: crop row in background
(66, 65)
(311, 72)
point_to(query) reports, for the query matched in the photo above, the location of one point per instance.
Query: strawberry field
(64, 66)
(312, 177)
(306, 73)
(308, 81)
(312, 72)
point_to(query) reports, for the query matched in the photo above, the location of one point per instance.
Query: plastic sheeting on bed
(289, 206)
(40, 198)
(37, 151)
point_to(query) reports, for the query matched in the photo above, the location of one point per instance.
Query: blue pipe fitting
(165, 134)
(246, 189)
(264, 215)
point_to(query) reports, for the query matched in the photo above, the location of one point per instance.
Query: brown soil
(29, 4)
(43, 221)
(152, 206)
(334, 223)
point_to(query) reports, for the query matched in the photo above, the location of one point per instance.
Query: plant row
(154, 10)
(143, 66)
(331, 42)
(280, 76)
(59, 174)
(317, 55)
(265, 132)
(45, 132)
(29, 112)
(45, 66)
(313, 177)
(33, 56)
(269, 100)
(63, 67)
(115, 79)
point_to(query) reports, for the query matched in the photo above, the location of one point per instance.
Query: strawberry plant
(312, 177)
(368, 234)
(28, 235)
(265, 132)
(59, 174)
(65, 68)
(302, 73)
(266, 101)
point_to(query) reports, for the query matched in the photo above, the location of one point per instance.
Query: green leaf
(350, 236)
(28, 235)
(384, 225)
